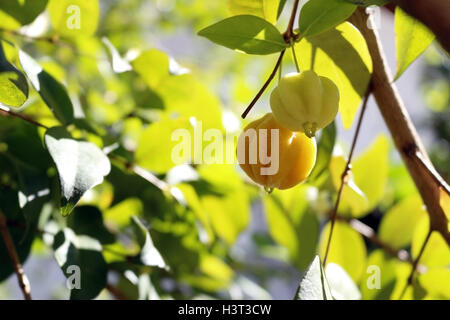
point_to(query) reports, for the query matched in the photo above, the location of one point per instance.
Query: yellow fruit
(273, 156)
(305, 102)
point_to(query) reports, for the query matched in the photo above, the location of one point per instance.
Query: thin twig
(264, 87)
(53, 39)
(347, 169)
(289, 33)
(115, 292)
(415, 263)
(24, 284)
(7, 112)
(371, 235)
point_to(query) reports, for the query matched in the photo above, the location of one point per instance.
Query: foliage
(95, 181)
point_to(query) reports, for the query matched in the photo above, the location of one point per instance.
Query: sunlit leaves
(51, 91)
(317, 16)
(291, 224)
(81, 256)
(436, 253)
(340, 54)
(227, 203)
(74, 17)
(16, 13)
(13, 84)
(347, 248)
(436, 283)
(314, 285)
(246, 33)
(367, 179)
(370, 170)
(157, 145)
(81, 165)
(267, 9)
(412, 38)
(380, 278)
(444, 201)
(153, 66)
(398, 224)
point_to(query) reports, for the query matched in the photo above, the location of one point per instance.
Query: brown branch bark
(24, 284)
(404, 134)
(432, 13)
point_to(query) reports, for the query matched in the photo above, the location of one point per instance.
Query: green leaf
(88, 221)
(149, 255)
(436, 253)
(155, 154)
(380, 278)
(436, 282)
(317, 16)
(342, 286)
(74, 17)
(51, 91)
(22, 238)
(367, 3)
(341, 55)
(246, 33)
(325, 148)
(411, 39)
(353, 200)
(81, 166)
(314, 285)
(118, 64)
(291, 224)
(398, 224)
(16, 13)
(85, 253)
(370, 171)
(227, 206)
(347, 248)
(156, 61)
(13, 84)
(267, 9)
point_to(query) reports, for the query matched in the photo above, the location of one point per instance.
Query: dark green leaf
(13, 84)
(246, 33)
(16, 224)
(86, 254)
(51, 91)
(81, 165)
(16, 13)
(318, 16)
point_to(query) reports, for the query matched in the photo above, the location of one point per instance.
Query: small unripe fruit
(281, 158)
(305, 102)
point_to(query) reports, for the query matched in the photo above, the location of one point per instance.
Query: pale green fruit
(305, 102)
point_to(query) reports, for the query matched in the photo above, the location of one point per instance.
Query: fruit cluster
(279, 149)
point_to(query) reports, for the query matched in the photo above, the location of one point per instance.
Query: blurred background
(263, 269)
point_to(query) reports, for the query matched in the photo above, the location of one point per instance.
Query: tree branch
(403, 132)
(24, 284)
(433, 13)
(347, 169)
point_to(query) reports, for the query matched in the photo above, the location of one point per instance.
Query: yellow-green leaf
(436, 253)
(291, 224)
(16, 13)
(379, 278)
(398, 224)
(340, 54)
(411, 39)
(267, 9)
(444, 201)
(436, 283)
